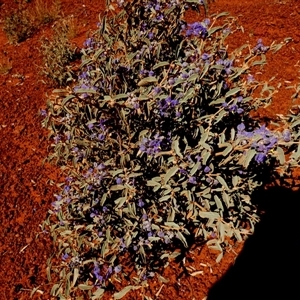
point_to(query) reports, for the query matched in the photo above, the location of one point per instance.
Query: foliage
(18, 26)
(58, 52)
(158, 145)
(23, 22)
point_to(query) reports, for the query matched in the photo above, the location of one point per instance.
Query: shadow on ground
(268, 267)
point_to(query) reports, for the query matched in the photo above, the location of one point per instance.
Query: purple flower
(171, 81)
(286, 135)
(89, 43)
(150, 35)
(90, 126)
(96, 272)
(260, 48)
(65, 256)
(250, 78)
(196, 29)
(101, 137)
(156, 90)
(193, 180)
(205, 56)
(161, 234)
(241, 127)
(151, 146)
(141, 203)
(119, 180)
(260, 157)
(117, 269)
(43, 112)
(207, 169)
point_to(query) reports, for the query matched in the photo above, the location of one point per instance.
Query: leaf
(223, 182)
(171, 172)
(98, 294)
(182, 239)
(75, 276)
(227, 200)
(164, 198)
(152, 183)
(172, 225)
(232, 92)
(66, 99)
(204, 137)
(295, 123)
(250, 154)
(219, 203)
(86, 91)
(117, 187)
(147, 81)
(195, 168)
(175, 147)
(160, 64)
(281, 155)
(235, 180)
(124, 291)
(85, 287)
(120, 96)
(209, 215)
(162, 279)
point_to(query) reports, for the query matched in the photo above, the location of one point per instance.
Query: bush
(158, 145)
(25, 21)
(58, 53)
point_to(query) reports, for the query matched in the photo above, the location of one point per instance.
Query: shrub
(158, 145)
(58, 53)
(23, 22)
(18, 26)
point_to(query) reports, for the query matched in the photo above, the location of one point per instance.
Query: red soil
(25, 182)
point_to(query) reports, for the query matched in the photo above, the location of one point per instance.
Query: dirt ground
(26, 183)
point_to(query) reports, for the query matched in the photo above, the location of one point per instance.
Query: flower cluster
(260, 47)
(198, 29)
(151, 146)
(261, 139)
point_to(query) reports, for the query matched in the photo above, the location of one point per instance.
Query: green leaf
(232, 92)
(223, 182)
(171, 172)
(160, 64)
(75, 276)
(250, 154)
(182, 239)
(227, 200)
(87, 91)
(175, 147)
(281, 155)
(147, 81)
(195, 168)
(85, 287)
(152, 183)
(172, 225)
(98, 294)
(120, 96)
(162, 279)
(117, 187)
(218, 203)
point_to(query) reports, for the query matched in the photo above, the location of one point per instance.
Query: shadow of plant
(267, 266)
